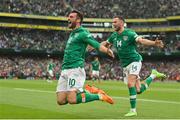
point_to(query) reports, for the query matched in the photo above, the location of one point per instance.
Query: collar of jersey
(77, 29)
(121, 32)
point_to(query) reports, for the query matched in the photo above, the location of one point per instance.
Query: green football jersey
(125, 44)
(74, 54)
(95, 65)
(51, 66)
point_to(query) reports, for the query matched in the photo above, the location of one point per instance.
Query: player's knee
(130, 84)
(61, 102)
(71, 101)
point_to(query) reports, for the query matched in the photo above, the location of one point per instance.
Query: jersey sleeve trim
(136, 39)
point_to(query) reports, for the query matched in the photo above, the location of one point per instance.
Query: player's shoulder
(84, 31)
(113, 34)
(129, 30)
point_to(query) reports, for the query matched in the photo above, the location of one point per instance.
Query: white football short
(133, 68)
(95, 73)
(71, 79)
(51, 73)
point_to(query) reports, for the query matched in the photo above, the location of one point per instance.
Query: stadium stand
(32, 39)
(25, 67)
(56, 40)
(35, 68)
(95, 8)
(30, 67)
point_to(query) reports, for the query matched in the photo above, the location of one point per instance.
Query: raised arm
(157, 43)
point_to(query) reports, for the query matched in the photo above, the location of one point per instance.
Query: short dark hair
(120, 17)
(79, 14)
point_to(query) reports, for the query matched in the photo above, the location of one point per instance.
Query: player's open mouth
(69, 22)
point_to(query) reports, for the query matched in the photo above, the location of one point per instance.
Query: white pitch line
(116, 97)
(33, 90)
(149, 100)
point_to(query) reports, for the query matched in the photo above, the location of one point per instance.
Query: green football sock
(85, 97)
(145, 86)
(142, 89)
(132, 93)
(148, 80)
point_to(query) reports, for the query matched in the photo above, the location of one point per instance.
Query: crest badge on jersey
(125, 38)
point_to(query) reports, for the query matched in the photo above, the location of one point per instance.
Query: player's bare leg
(138, 85)
(132, 93)
(62, 98)
(76, 97)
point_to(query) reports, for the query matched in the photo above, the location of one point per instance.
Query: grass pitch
(22, 99)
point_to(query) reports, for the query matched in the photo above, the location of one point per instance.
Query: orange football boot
(93, 89)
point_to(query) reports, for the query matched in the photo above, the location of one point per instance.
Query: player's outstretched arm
(106, 44)
(92, 42)
(90, 48)
(106, 50)
(157, 42)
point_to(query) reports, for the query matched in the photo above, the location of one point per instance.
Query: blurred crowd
(111, 70)
(36, 68)
(95, 8)
(170, 68)
(35, 7)
(32, 39)
(56, 40)
(26, 68)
